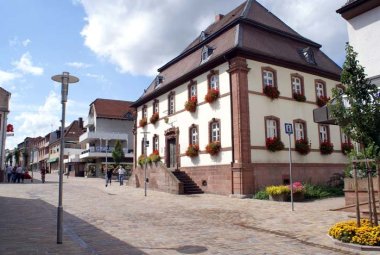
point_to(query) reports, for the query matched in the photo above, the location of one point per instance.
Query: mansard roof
(112, 109)
(249, 30)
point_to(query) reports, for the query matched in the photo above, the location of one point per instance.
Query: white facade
(182, 119)
(364, 34)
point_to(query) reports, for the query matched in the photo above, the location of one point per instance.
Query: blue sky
(114, 48)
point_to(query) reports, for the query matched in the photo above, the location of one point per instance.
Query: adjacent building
(216, 112)
(363, 25)
(108, 121)
(4, 110)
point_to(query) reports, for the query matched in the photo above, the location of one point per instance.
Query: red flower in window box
(347, 148)
(154, 117)
(143, 122)
(192, 150)
(271, 92)
(212, 95)
(299, 97)
(302, 146)
(191, 104)
(213, 148)
(326, 148)
(274, 144)
(322, 100)
(155, 156)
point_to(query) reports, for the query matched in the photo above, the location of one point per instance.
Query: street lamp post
(65, 79)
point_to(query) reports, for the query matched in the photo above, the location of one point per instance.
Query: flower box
(191, 104)
(326, 148)
(280, 197)
(213, 148)
(347, 148)
(192, 150)
(154, 118)
(299, 97)
(212, 95)
(298, 192)
(302, 146)
(278, 193)
(143, 122)
(271, 92)
(274, 144)
(322, 100)
(155, 156)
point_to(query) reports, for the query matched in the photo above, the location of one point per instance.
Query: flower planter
(271, 92)
(298, 196)
(299, 97)
(213, 148)
(143, 122)
(280, 197)
(192, 150)
(326, 148)
(302, 147)
(212, 95)
(322, 101)
(191, 105)
(154, 118)
(274, 144)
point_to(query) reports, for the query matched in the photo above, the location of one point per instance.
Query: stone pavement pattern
(120, 220)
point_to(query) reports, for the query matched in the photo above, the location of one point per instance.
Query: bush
(262, 195)
(277, 190)
(319, 192)
(348, 232)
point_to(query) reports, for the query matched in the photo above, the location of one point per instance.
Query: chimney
(218, 17)
(80, 120)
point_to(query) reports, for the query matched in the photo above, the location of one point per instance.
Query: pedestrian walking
(43, 172)
(121, 172)
(18, 173)
(14, 174)
(109, 176)
(8, 171)
(22, 176)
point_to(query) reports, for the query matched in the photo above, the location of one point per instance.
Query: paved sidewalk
(120, 220)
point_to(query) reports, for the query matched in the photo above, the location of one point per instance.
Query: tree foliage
(118, 153)
(16, 153)
(357, 109)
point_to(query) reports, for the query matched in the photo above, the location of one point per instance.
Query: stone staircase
(189, 186)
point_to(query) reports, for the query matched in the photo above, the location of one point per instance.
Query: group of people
(108, 176)
(16, 174)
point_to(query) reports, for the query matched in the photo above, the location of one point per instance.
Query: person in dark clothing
(108, 177)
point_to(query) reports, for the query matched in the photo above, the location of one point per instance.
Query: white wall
(364, 35)
(287, 111)
(183, 120)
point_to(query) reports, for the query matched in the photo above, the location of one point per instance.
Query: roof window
(308, 55)
(206, 53)
(159, 80)
(203, 36)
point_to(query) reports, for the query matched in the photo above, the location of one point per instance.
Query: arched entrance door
(171, 157)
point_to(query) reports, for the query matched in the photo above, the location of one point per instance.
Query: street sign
(288, 128)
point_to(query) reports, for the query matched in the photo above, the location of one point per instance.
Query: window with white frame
(271, 125)
(171, 104)
(300, 130)
(144, 111)
(155, 143)
(268, 78)
(194, 135)
(323, 133)
(214, 81)
(215, 131)
(155, 106)
(296, 85)
(319, 87)
(193, 90)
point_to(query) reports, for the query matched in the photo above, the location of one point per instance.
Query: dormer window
(308, 55)
(203, 36)
(206, 53)
(158, 81)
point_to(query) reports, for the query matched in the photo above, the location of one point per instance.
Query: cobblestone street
(120, 220)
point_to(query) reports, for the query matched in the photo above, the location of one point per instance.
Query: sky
(114, 47)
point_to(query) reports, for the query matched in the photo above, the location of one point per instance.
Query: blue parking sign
(288, 128)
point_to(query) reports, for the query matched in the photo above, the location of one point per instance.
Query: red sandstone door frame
(172, 147)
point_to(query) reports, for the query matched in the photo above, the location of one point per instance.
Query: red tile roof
(112, 109)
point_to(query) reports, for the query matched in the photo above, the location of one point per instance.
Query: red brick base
(218, 178)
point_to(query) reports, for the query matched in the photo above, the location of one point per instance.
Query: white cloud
(26, 42)
(78, 65)
(25, 65)
(7, 76)
(140, 36)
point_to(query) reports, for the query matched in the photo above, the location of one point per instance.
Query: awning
(51, 160)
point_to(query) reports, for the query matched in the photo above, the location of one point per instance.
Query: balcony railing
(102, 136)
(104, 149)
(89, 122)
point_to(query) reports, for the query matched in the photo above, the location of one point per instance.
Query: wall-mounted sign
(10, 130)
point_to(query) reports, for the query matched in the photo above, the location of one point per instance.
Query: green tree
(25, 156)
(8, 159)
(357, 109)
(118, 153)
(16, 153)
